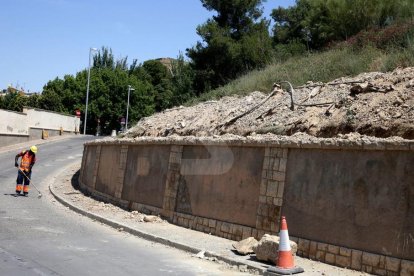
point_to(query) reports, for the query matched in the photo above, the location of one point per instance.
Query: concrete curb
(145, 235)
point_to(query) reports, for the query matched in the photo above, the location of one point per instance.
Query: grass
(323, 66)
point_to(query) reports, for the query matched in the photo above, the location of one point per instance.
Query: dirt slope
(373, 104)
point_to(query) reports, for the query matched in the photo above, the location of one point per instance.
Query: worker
(25, 169)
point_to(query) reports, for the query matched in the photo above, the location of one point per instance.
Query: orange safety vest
(27, 159)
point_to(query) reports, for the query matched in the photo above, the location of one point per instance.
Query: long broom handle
(29, 180)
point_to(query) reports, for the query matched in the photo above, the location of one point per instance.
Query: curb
(147, 236)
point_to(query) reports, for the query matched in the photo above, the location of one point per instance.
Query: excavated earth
(370, 104)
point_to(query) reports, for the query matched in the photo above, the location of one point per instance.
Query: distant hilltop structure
(167, 62)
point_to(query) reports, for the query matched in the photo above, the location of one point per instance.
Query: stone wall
(237, 188)
(377, 264)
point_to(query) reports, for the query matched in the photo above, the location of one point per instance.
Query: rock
(243, 268)
(245, 247)
(200, 254)
(369, 87)
(359, 88)
(410, 84)
(397, 115)
(315, 91)
(383, 115)
(150, 218)
(267, 248)
(398, 102)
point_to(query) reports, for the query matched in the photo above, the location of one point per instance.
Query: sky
(44, 39)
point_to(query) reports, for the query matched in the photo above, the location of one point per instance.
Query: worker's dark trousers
(21, 179)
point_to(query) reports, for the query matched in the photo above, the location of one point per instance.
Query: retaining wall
(347, 202)
(13, 128)
(16, 127)
(43, 119)
(13, 123)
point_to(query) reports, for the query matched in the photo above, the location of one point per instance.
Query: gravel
(372, 104)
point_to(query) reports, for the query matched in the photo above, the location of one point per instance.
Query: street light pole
(87, 89)
(126, 121)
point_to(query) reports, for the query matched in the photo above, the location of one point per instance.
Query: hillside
(373, 104)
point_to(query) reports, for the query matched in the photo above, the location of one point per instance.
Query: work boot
(25, 193)
(17, 192)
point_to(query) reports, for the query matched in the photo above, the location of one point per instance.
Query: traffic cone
(285, 262)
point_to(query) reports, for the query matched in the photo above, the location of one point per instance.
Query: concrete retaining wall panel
(10, 139)
(347, 203)
(37, 133)
(146, 174)
(221, 183)
(108, 170)
(44, 119)
(352, 198)
(16, 127)
(88, 174)
(13, 123)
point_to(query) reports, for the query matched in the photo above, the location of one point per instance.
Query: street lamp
(87, 88)
(126, 121)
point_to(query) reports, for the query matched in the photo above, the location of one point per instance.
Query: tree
(235, 41)
(182, 81)
(159, 76)
(51, 100)
(14, 101)
(104, 59)
(318, 22)
(237, 15)
(34, 101)
(2, 103)
(289, 22)
(108, 96)
(108, 93)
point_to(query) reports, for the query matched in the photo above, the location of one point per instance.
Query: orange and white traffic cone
(285, 262)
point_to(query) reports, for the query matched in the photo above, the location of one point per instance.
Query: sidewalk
(207, 246)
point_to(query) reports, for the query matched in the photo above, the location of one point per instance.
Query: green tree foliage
(182, 81)
(156, 87)
(160, 77)
(14, 101)
(108, 98)
(34, 101)
(316, 23)
(108, 95)
(51, 100)
(2, 102)
(235, 41)
(105, 59)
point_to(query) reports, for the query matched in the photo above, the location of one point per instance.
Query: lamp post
(126, 121)
(87, 88)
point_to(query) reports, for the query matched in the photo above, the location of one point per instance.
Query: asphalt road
(41, 237)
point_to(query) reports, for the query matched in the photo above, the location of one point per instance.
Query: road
(41, 237)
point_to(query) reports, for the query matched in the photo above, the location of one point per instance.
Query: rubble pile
(373, 104)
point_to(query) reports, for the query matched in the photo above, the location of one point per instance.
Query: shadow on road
(15, 195)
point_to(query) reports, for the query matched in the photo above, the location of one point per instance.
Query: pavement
(64, 188)
(26, 145)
